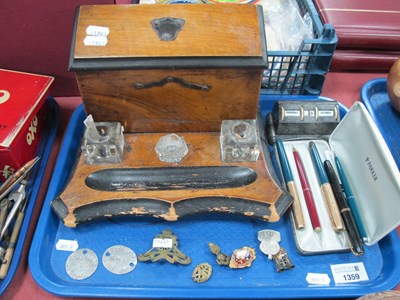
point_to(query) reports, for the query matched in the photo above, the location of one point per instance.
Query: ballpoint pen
(288, 177)
(326, 188)
(354, 239)
(16, 177)
(351, 200)
(309, 199)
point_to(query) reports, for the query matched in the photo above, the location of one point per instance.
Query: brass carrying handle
(170, 79)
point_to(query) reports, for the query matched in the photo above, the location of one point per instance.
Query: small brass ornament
(282, 261)
(222, 259)
(170, 254)
(202, 273)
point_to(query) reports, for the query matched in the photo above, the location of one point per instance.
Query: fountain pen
(16, 177)
(288, 177)
(326, 188)
(353, 236)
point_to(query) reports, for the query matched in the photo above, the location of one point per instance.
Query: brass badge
(165, 247)
(222, 259)
(202, 273)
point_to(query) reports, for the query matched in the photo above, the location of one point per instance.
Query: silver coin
(81, 264)
(269, 235)
(269, 248)
(119, 259)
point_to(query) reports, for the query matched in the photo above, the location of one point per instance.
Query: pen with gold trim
(326, 188)
(354, 239)
(16, 177)
(308, 197)
(288, 177)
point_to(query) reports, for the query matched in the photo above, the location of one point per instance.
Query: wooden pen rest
(195, 185)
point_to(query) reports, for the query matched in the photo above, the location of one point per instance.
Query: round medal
(269, 248)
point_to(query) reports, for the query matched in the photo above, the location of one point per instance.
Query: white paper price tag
(67, 245)
(348, 273)
(98, 41)
(97, 30)
(162, 243)
(318, 278)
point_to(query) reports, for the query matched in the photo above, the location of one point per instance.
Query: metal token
(81, 264)
(119, 259)
(269, 235)
(202, 273)
(269, 248)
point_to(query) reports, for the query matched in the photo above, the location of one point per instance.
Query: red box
(22, 117)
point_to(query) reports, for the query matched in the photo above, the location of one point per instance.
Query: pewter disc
(81, 264)
(269, 248)
(119, 259)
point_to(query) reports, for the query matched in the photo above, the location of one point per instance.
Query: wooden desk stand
(258, 197)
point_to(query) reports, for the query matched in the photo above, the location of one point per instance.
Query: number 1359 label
(347, 273)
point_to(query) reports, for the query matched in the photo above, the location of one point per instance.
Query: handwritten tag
(97, 30)
(318, 278)
(95, 41)
(67, 245)
(162, 243)
(348, 273)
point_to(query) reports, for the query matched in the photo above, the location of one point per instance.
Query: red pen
(312, 210)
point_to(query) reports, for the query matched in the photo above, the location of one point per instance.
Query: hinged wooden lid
(164, 36)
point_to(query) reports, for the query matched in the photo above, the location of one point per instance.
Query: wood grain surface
(209, 30)
(111, 96)
(79, 203)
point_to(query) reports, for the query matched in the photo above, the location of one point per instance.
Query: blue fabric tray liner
(164, 280)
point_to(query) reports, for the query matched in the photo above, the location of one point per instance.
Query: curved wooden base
(130, 188)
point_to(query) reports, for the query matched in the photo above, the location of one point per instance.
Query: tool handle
(3, 215)
(11, 247)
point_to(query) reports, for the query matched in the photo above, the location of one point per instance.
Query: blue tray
(164, 280)
(33, 187)
(376, 100)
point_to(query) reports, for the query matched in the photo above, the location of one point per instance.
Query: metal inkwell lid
(371, 170)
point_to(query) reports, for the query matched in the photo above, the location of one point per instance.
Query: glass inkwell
(239, 140)
(103, 142)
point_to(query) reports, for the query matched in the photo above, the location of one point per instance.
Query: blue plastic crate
(376, 99)
(302, 72)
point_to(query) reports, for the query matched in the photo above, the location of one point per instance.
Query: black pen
(353, 236)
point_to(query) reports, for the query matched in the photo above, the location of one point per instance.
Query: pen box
(370, 169)
(22, 117)
(167, 68)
